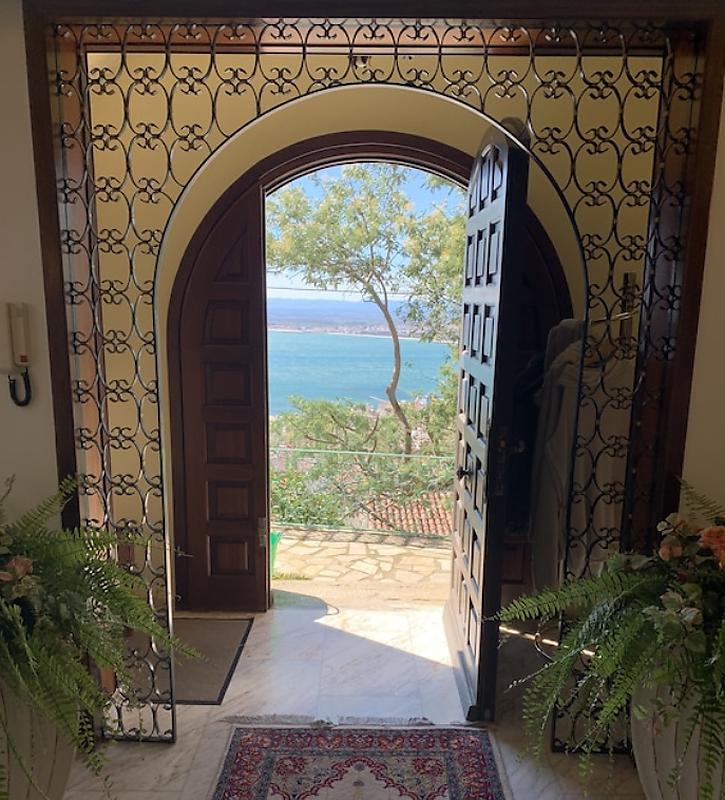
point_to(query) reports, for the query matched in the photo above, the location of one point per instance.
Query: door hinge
(262, 531)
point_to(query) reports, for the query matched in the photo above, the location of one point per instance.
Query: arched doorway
(217, 366)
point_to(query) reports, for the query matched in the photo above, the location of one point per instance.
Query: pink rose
(670, 547)
(668, 551)
(17, 568)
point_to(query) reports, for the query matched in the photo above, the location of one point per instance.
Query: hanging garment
(560, 337)
(598, 471)
(526, 448)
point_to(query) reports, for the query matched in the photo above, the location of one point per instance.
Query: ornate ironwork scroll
(611, 113)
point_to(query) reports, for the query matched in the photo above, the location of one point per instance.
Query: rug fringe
(300, 720)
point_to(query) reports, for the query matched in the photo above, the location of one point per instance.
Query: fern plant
(64, 601)
(652, 621)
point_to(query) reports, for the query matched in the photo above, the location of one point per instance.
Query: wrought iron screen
(611, 112)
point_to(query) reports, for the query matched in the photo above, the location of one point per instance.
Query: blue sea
(329, 366)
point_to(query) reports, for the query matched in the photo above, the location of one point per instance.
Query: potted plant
(65, 603)
(643, 623)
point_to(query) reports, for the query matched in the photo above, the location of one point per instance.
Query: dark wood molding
(550, 257)
(411, 9)
(45, 179)
(700, 189)
(364, 145)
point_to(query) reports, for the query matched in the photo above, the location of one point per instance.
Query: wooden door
(492, 275)
(221, 497)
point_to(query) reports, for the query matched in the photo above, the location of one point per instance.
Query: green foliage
(64, 600)
(653, 621)
(366, 234)
(436, 246)
(702, 507)
(295, 499)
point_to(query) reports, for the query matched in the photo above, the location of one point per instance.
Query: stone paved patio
(382, 569)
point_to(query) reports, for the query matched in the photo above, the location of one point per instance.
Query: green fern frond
(40, 515)
(78, 605)
(700, 505)
(711, 741)
(582, 595)
(717, 661)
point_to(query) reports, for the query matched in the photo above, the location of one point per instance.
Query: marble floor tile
(136, 767)
(293, 634)
(206, 766)
(385, 670)
(361, 708)
(271, 686)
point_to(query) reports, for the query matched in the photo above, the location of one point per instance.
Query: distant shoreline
(367, 334)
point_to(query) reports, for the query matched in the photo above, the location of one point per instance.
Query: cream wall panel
(27, 435)
(705, 444)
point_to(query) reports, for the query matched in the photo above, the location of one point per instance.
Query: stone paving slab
(362, 569)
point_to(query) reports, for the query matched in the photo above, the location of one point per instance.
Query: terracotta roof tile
(429, 515)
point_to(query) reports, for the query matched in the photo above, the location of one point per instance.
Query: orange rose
(713, 539)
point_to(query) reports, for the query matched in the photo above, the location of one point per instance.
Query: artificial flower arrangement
(654, 621)
(65, 602)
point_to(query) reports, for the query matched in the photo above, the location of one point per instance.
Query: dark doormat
(220, 641)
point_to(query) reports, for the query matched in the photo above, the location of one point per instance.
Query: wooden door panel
(491, 279)
(229, 442)
(223, 380)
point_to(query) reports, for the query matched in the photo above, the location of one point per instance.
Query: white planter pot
(48, 756)
(656, 754)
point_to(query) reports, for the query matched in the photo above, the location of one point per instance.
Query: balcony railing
(361, 491)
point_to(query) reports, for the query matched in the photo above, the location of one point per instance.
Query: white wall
(27, 438)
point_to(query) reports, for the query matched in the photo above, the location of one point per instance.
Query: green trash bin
(274, 538)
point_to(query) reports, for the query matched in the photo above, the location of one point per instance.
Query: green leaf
(696, 642)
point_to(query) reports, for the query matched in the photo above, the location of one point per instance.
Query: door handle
(462, 472)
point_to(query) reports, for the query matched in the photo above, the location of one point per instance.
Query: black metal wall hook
(27, 390)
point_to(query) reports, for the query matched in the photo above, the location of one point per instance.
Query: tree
(435, 249)
(360, 231)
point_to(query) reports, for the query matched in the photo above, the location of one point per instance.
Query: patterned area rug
(340, 763)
